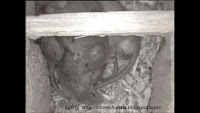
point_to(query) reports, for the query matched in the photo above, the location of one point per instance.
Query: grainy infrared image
(100, 56)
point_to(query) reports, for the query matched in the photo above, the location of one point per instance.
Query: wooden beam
(100, 23)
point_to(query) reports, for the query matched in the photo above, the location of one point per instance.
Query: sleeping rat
(128, 47)
(91, 53)
(71, 84)
(67, 71)
(51, 50)
(93, 58)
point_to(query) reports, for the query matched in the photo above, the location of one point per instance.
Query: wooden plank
(100, 23)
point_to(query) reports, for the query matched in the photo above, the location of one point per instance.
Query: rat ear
(95, 50)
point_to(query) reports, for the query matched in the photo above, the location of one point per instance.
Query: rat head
(90, 53)
(89, 59)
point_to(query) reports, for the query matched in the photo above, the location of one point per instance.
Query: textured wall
(161, 81)
(38, 96)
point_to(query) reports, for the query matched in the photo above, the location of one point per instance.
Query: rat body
(72, 86)
(91, 53)
(51, 50)
(128, 48)
(125, 46)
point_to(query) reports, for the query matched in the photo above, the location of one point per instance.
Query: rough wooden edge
(100, 23)
(171, 106)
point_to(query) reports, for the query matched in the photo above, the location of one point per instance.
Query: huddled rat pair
(78, 62)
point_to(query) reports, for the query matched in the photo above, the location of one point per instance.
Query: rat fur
(129, 48)
(71, 84)
(91, 53)
(53, 52)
